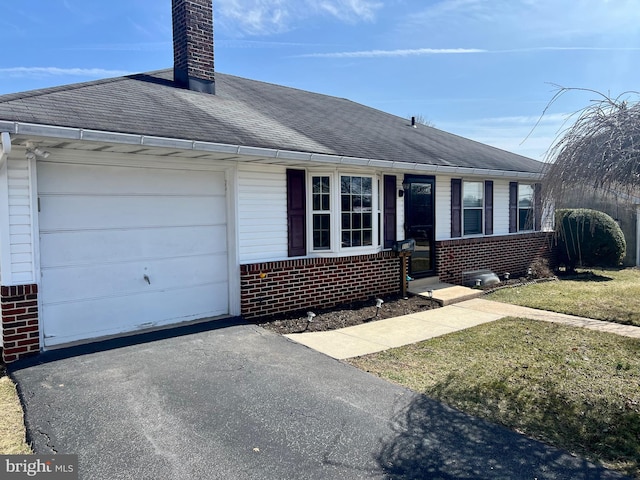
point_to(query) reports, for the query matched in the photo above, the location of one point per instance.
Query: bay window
(344, 211)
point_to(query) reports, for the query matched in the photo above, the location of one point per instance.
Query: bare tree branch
(600, 152)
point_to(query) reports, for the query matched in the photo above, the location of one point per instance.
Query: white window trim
(335, 206)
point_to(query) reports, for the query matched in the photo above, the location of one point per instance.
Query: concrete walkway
(394, 332)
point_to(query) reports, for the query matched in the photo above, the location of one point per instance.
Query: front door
(419, 223)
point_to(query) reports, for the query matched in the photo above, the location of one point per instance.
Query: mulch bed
(344, 315)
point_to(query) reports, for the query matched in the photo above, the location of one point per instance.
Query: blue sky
(483, 69)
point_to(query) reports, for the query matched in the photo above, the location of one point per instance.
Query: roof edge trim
(52, 131)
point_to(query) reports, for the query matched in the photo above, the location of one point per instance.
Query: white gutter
(80, 134)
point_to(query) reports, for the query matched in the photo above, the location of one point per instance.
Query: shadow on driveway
(436, 442)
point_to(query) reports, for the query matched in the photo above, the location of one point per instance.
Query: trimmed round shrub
(588, 238)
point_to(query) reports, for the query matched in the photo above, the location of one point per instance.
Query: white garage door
(128, 248)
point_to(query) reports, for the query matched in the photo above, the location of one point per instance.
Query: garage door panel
(83, 247)
(109, 316)
(103, 228)
(106, 212)
(86, 282)
(117, 180)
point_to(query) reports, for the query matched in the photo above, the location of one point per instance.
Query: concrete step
(443, 293)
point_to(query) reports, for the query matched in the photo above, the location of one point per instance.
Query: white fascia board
(129, 139)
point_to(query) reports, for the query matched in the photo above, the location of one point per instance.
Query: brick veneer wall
(20, 331)
(500, 254)
(283, 286)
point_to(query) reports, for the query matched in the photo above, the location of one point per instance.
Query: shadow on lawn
(588, 276)
(433, 441)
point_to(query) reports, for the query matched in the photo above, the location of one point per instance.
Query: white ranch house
(187, 194)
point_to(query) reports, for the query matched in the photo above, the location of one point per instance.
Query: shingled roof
(255, 114)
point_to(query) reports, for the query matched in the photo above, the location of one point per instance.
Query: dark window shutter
(296, 213)
(456, 207)
(488, 207)
(389, 210)
(513, 207)
(537, 206)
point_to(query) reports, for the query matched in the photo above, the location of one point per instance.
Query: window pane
(346, 239)
(367, 186)
(325, 202)
(356, 185)
(525, 219)
(316, 202)
(321, 232)
(357, 221)
(346, 203)
(346, 221)
(473, 222)
(473, 194)
(525, 196)
(366, 238)
(356, 239)
(345, 184)
(366, 220)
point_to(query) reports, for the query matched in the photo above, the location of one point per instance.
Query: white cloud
(534, 19)
(56, 71)
(264, 17)
(349, 10)
(396, 53)
(451, 51)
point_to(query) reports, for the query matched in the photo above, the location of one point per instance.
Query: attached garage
(125, 248)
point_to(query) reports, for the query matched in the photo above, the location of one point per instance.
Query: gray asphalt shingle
(251, 113)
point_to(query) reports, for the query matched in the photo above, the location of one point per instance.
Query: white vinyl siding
(443, 208)
(262, 214)
(20, 270)
(399, 209)
(500, 207)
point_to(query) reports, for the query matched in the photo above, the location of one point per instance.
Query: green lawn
(612, 295)
(574, 388)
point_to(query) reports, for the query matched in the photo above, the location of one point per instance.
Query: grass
(573, 388)
(12, 431)
(612, 295)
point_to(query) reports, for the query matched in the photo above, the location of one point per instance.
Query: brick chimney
(193, 45)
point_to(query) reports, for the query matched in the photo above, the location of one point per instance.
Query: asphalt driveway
(243, 403)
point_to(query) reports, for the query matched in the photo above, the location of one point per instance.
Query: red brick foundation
(500, 254)
(283, 286)
(20, 331)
